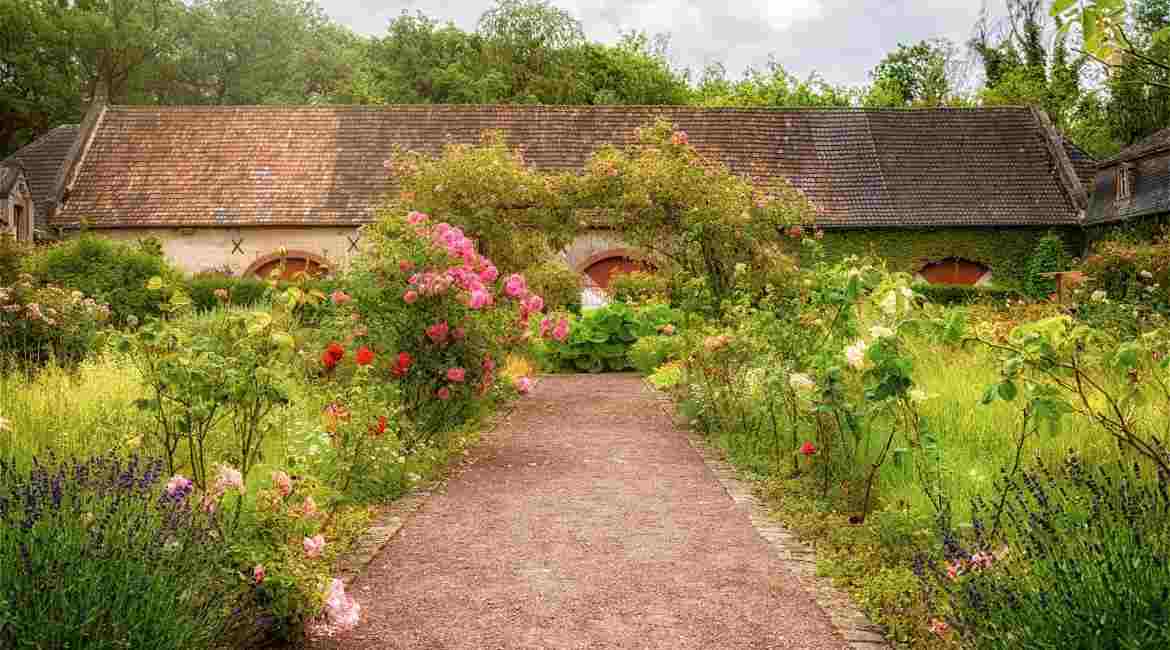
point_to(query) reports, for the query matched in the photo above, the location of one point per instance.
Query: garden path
(587, 521)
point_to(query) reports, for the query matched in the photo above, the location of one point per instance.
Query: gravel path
(586, 522)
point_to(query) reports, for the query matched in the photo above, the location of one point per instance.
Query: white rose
(855, 354)
(801, 382)
(907, 293)
(1147, 275)
(1099, 295)
(880, 332)
(889, 304)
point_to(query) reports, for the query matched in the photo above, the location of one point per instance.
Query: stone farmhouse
(952, 194)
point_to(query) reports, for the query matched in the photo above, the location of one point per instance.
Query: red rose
(808, 448)
(379, 428)
(328, 360)
(336, 351)
(365, 356)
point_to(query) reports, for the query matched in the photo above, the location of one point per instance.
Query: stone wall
(201, 249)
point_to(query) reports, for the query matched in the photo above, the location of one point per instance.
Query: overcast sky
(840, 39)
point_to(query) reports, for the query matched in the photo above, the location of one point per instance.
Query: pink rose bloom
(340, 297)
(515, 285)
(458, 333)
(258, 573)
(546, 326)
(341, 609)
(406, 266)
(283, 483)
(413, 279)
(416, 218)
(410, 297)
(437, 333)
(939, 627)
(387, 164)
(479, 299)
(178, 484)
(561, 331)
(523, 385)
(489, 364)
(314, 545)
(309, 507)
(456, 374)
(229, 479)
(533, 303)
(489, 274)
(679, 138)
(443, 393)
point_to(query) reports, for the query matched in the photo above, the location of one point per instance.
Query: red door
(602, 272)
(953, 271)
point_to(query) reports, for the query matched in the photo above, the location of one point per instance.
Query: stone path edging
(796, 557)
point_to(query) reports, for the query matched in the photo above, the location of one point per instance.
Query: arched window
(603, 267)
(954, 270)
(290, 265)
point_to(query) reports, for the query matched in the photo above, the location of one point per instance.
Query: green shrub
(12, 254)
(42, 324)
(601, 338)
(640, 287)
(650, 352)
(1049, 256)
(241, 292)
(110, 272)
(101, 554)
(963, 294)
(559, 285)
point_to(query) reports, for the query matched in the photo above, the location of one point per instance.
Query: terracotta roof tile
(256, 165)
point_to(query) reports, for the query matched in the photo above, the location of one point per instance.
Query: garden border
(796, 557)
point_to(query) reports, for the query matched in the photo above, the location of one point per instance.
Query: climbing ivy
(1006, 252)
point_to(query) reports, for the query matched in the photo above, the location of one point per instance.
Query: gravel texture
(586, 521)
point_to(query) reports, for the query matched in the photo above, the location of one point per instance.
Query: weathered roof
(1084, 164)
(42, 159)
(1152, 144)
(322, 165)
(1149, 190)
(10, 172)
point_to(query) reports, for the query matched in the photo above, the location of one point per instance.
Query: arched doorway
(601, 268)
(291, 264)
(954, 270)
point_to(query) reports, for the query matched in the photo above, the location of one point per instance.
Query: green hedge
(962, 294)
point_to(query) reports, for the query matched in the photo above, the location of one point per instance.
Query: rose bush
(43, 323)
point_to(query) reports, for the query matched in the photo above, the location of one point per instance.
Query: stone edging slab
(796, 557)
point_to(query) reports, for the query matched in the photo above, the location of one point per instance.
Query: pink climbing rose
(443, 393)
(438, 332)
(283, 483)
(410, 297)
(341, 609)
(416, 218)
(314, 545)
(515, 285)
(479, 299)
(533, 303)
(546, 326)
(561, 331)
(523, 385)
(340, 297)
(456, 374)
(258, 573)
(489, 273)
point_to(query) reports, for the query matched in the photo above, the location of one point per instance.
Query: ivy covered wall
(1005, 250)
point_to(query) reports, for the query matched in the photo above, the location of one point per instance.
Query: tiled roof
(1083, 164)
(258, 165)
(42, 159)
(1156, 142)
(1149, 190)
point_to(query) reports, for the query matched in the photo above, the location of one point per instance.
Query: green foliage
(1049, 256)
(772, 86)
(915, 75)
(600, 339)
(12, 254)
(962, 294)
(559, 285)
(650, 352)
(108, 271)
(640, 287)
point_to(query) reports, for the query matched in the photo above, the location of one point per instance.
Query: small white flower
(1099, 295)
(801, 382)
(880, 332)
(907, 293)
(889, 304)
(855, 354)
(1146, 275)
(919, 395)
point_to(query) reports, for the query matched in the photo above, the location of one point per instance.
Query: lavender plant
(105, 553)
(1082, 563)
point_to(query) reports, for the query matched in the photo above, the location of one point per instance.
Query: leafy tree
(536, 46)
(924, 74)
(635, 71)
(772, 86)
